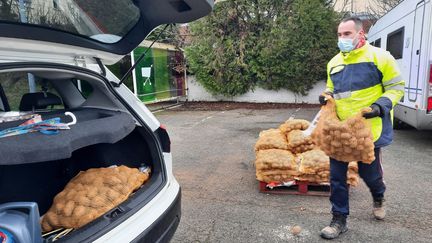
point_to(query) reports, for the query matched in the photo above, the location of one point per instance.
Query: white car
(52, 57)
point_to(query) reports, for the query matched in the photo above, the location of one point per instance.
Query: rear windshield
(25, 92)
(103, 20)
(18, 93)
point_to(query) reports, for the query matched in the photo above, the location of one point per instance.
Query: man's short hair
(357, 21)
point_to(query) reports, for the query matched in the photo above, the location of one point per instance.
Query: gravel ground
(213, 161)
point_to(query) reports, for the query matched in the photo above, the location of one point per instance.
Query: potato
(336, 144)
(359, 126)
(345, 135)
(356, 152)
(363, 133)
(347, 150)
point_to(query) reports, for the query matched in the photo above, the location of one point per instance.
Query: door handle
(417, 52)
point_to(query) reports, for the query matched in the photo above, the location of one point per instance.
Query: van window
(377, 43)
(395, 43)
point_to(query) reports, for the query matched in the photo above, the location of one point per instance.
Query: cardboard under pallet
(297, 188)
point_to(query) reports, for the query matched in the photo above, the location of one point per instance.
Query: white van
(406, 32)
(52, 61)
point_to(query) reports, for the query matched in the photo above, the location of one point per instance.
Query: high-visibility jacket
(365, 76)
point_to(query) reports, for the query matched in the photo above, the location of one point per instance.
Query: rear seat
(38, 100)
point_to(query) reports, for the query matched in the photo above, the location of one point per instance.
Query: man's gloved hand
(376, 111)
(322, 98)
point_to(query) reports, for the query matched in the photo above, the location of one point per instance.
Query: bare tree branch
(378, 8)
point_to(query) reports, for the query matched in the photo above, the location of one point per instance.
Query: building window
(395, 43)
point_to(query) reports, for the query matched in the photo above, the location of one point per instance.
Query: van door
(417, 36)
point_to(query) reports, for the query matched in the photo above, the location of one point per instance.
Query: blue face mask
(345, 45)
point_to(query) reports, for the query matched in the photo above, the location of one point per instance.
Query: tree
(8, 10)
(171, 35)
(380, 7)
(273, 44)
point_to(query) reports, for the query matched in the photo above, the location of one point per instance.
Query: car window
(99, 20)
(84, 87)
(17, 92)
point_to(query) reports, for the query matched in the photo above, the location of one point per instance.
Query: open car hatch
(67, 30)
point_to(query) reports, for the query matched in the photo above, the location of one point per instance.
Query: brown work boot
(379, 209)
(337, 226)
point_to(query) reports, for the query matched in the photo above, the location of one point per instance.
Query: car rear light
(430, 80)
(429, 107)
(429, 104)
(164, 138)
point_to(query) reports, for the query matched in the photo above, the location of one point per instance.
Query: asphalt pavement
(213, 161)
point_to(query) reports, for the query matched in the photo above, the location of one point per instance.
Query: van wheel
(398, 124)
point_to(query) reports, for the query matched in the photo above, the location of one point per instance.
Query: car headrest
(38, 100)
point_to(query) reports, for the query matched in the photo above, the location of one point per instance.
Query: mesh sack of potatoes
(275, 165)
(271, 139)
(276, 175)
(271, 159)
(298, 142)
(352, 174)
(90, 194)
(313, 162)
(349, 140)
(353, 167)
(293, 124)
(320, 177)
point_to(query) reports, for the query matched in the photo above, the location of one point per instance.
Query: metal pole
(23, 19)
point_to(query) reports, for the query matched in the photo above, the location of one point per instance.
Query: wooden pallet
(298, 188)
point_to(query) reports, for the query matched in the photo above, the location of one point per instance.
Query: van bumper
(163, 229)
(417, 118)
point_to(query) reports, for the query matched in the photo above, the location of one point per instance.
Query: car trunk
(35, 167)
(41, 181)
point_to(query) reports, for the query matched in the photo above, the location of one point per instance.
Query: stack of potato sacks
(274, 162)
(287, 154)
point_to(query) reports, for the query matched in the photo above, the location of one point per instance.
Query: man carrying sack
(361, 76)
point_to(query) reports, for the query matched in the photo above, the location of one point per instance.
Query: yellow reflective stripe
(392, 81)
(342, 95)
